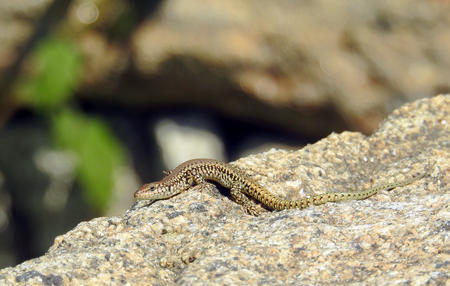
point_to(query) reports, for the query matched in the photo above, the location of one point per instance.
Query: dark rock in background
(315, 67)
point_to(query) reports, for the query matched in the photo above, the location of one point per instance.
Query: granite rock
(201, 237)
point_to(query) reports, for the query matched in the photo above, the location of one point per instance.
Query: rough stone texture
(201, 237)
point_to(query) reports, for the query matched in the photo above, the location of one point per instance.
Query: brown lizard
(199, 171)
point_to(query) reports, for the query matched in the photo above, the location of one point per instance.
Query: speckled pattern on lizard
(242, 187)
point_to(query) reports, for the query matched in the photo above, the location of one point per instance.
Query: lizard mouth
(154, 191)
(144, 192)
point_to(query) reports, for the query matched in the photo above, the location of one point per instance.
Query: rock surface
(201, 237)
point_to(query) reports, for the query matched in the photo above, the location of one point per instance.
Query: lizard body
(199, 171)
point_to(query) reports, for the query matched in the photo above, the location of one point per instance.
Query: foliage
(55, 75)
(97, 150)
(57, 66)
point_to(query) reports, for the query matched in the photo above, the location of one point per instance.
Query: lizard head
(155, 191)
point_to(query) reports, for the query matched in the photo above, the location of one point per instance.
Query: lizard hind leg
(245, 202)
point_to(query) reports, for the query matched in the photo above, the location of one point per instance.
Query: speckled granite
(201, 237)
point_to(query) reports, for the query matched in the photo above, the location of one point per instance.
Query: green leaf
(99, 154)
(57, 66)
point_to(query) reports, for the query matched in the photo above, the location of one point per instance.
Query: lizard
(242, 187)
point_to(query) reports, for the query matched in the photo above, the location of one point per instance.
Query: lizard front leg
(193, 179)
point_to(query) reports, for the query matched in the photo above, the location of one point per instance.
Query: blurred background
(98, 97)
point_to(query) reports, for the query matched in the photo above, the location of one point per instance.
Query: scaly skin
(198, 171)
